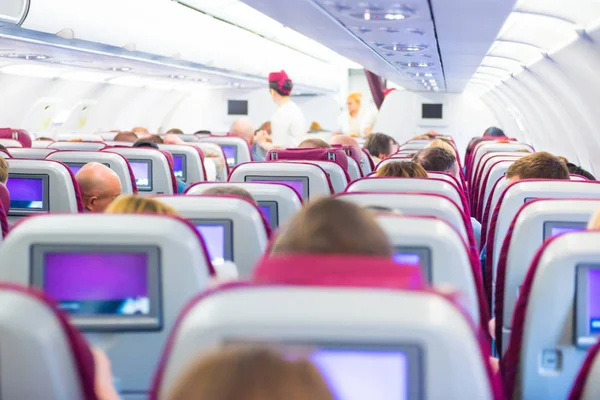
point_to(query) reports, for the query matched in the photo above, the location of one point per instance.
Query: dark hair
(284, 90)
(203, 132)
(145, 143)
(152, 138)
(125, 136)
(435, 159)
(2, 147)
(577, 170)
(493, 131)
(540, 165)
(175, 131)
(379, 144)
(401, 169)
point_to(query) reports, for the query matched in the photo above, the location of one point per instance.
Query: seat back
(75, 160)
(334, 154)
(309, 180)
(354, 171)
(415, 146)
(424, 204)
(89, 146)
(84, 137)
(586, 386)
(31, 153)
(366, 163)
(111, 143)
(41, 186)
(215, 161)
(188, 162)
(446, 177)
(491, 158)
(278, 203)
(338, 177)
(534, 223)
(151, 169)
(20, 135)
(429, 243)
(236, 150)
(392, 159)
(338, 336)
(48, 359)
(491, 203)
(10, 143)
(497, 171)
(556, 318)
(513, 199)
(411, 185)
(233, 228)
(159, 262)
(4, 207)
(490, 147)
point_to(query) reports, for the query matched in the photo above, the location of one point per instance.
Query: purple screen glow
(298, 186)
(359, 375)
(75, 168)
(266, 212)
(407, 259)
(561, 230)
(214, 238)
(178, 166)
(26, 193)
(593, 291)
(229, 152)
(140, 172)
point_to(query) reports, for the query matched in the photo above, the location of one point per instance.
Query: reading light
(367, 16)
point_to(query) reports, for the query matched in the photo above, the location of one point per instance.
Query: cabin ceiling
(423, 45)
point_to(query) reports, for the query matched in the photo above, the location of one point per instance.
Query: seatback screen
(299, 184)
(587, 309)
(179, 167)
(142, 171)
(552, 229)
(28, 193)
(416, 257)
(270, 211)
(230, 152)
(218, 238)
(110, 287)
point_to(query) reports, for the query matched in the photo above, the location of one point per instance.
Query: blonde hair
(594, 221)
(130, 204)
(402, 169)
(355, 96)
(251, 374)
(442, 144)
(3, 171)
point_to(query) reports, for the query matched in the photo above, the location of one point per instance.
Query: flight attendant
(288, 125)
(357, 121)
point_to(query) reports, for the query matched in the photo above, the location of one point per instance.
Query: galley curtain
(377, 85)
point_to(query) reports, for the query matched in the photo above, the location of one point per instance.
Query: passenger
(250, 374)
(380, 146)
(577, 170)
(99, 186)
(403, 169)
(437, 159)
(243, 128)
(226, 190)
(266, 127)
(44, 139)
(203, 132)
(314, 143)
(75, 139)
(3, 171)
(140, 131)
(175, 131)
(443, 144)
(131, 204)
(357, 121)
(345, 141)
(540, 165)
(103, 377)
(332, 226)
(151, 138)
(288, 123)
(125, 136)
(493, 131)
(172, 138)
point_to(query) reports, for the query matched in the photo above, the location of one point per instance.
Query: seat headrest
(334, 154)
(350, 151)
(49, 359)
(20, 135)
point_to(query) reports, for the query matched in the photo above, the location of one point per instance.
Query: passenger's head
(44, 139)
(577, 170)
(280, 85)
(230, 190)
(266, 127)
(443, 144)
(131, 204)
(344, 140)
(332, 226)
(353, 102)
(203, 132)
(436, 159)
(314, 143)
(3, 171)
(172, 138)
(243, 128)
(151, 138)
(594, 221)
(126, 136)
(99, 186)
(250, 374)
(138, 130)
(493, 131)
(402, 169)
(380, 145)
(175, 131)
(540, 165)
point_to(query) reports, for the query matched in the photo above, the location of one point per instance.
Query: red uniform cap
(279, 77)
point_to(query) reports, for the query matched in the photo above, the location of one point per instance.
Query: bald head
(99, 186)
(172, 139)
(242, 128)
(345, 141)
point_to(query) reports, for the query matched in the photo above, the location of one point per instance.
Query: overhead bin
(13, 11)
